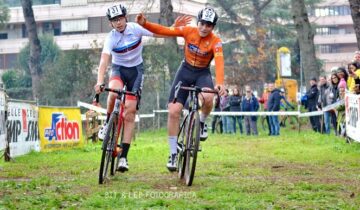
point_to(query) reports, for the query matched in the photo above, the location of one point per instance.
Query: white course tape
(253, 113)
(280, 113)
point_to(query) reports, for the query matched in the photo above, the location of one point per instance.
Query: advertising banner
(2, 121)
(352, 108)
(22, 124)
(60, 128)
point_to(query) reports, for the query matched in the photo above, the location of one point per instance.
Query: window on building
(8, 61)
(3, 36)
(17, 3)
(329, 48)
(330, 11)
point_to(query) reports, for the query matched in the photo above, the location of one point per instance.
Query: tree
(69, 79)
(305, 35)
(253, 31)
(35, 47)
(4, 13)
(50, 51)
(355, 14)
(173, 54)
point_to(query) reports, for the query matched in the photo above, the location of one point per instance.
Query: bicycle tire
(292, 121)
(218, 126)
(192, 147)
(263, 122)
(181, 142)
(341, 125)
(116, 155)
(107, 148)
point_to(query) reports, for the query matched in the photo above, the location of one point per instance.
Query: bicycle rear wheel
(192, 146)
(292, 121)
(107, 148)
(181, 152)
(116, 155)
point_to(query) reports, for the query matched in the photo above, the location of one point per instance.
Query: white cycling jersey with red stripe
(126, 47)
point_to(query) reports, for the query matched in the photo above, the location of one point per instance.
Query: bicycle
(111, 150)
(189, 134)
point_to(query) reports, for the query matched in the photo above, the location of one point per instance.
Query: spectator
(334, 95)
(312, 99)
(250, 104)
(354, 73)
(342, 74)
(264, 100)
(216, 117)
(274, 106)
(225, 107)
(235, 106)
(357, 56)
(285, 104)
(323, 101)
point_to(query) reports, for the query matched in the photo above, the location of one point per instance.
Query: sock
(125, 148)
(203, 117)
(173, 144)
(108, 117)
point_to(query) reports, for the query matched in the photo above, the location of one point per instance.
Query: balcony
(67, 42)
(97, 9)
(332, 20)
(335, 39)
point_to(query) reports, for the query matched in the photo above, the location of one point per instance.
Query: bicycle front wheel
(181, 149)
(116, 155)
(107, 148)
(192, 146)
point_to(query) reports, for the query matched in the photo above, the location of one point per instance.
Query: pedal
(199, 150)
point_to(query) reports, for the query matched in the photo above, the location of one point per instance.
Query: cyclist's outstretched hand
(182, 20)
(221, 89)
(140, 19)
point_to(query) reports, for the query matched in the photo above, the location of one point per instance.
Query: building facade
(335, 37)
(77, 24)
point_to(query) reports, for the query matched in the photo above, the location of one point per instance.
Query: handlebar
(118, 91)
(191, 89)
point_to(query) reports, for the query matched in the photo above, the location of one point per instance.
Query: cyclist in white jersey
(124, 46)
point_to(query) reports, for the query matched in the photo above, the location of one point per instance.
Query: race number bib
(115, 11)
(208, 15)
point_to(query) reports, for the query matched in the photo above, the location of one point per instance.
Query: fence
(25, 127)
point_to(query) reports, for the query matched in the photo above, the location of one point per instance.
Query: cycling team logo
(62, 129)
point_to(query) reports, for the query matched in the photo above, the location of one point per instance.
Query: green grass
(292, 171)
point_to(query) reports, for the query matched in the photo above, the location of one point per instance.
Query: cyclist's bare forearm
(104, 62)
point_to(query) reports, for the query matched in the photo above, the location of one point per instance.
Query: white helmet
(115, 11)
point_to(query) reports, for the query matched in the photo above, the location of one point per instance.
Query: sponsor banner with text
(352, 108)
(22, 124)
(60, 128)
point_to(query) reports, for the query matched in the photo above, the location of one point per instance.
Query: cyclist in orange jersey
(201, 46)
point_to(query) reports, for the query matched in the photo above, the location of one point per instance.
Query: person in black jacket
(312, 100)
(235, 106)
(274, 106)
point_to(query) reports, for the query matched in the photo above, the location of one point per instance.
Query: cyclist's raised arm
(159, 29)
(219, 65)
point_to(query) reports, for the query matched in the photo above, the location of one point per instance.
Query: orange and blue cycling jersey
(199, 51)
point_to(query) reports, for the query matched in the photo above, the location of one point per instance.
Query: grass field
(292, 171)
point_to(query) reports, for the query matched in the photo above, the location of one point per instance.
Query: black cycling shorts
(132, 77)
(190, 76)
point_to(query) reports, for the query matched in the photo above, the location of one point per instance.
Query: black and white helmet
(115, 11)
(208, 15)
